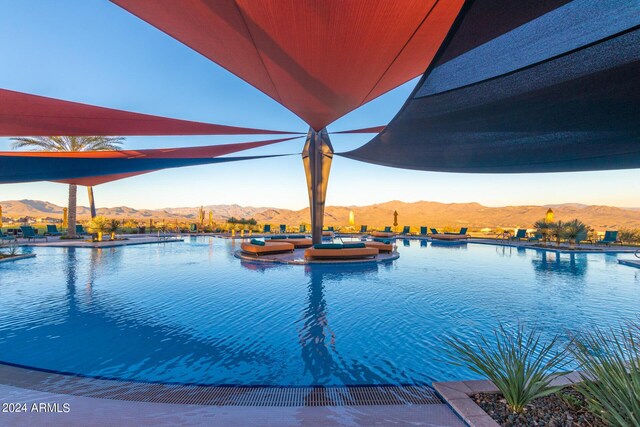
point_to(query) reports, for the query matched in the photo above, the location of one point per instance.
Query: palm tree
(70, 143)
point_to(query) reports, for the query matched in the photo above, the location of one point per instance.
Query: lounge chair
(462, 232)
(423, 231)
(266, 228)
(330, 229)
(29, 233)
(520, 234)
(406, 230)
(303, 228)
(52, 230)
(434, 231)
(582, 237)
(341, 251)
(609, 238)
(258, 247)
(6, 237)
(80, 230)
(382, 245)
(385, 234)
(363, 229)
(193, 228)
(536, 237)
(283, 228)
(297, 240)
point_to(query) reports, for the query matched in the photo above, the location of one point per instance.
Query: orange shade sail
(318, 59)
(23, 114)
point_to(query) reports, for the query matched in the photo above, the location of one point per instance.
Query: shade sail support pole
(316, 157)
(92, 203)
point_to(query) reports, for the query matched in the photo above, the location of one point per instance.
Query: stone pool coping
(131, 241)
(457, 394)
(17, 257)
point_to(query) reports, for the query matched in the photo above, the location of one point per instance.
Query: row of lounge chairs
(29, 233)
(609, 237)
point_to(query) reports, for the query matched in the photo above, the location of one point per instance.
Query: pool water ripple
(192, 313)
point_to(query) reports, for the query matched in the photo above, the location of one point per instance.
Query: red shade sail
(23, 114)
(319, 59)
(374, 129)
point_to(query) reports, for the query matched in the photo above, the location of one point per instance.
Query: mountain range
(432, 214)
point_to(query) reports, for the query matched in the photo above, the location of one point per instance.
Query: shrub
(629, 236)
(518, 363)
(610, 361)
(571, 230)
(99, 224)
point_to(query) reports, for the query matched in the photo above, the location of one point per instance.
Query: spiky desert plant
(518, 363)
(113, 228)
(610, 362)
(99, 225)
(69, 143)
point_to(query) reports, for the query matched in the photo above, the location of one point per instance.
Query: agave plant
(610, 362)
(518, 363)
(99, 225)
(113, 227)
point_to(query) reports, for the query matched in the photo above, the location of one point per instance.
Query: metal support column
(317, 156)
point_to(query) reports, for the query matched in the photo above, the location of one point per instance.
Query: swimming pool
(192, 313)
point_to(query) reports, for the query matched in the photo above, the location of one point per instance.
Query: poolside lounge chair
(520, 234)
(80, 230)
(423, 231)
(341, 251)
(52, 230)
(258, 247)
(6, 237)
(536, 237)
(330, 229)
(29, 233)
(298, 241)
(462, 232)
(386, 233)
(434, 231)
(303, 228)
(283, 228)
(193, 228)
(609, 238)
(266, 228)
(406, 229)
(363, 229)
(382, 245)
(582, 237)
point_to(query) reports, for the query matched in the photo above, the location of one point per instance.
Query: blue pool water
(192, 313)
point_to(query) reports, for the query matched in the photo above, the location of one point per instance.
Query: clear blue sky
(94, 52)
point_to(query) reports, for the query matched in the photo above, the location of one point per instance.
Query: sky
(94, 52)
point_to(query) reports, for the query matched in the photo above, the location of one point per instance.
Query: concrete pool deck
(80, 401)
(129, 240)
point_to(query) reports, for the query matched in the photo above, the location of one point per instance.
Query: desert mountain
(432, 214)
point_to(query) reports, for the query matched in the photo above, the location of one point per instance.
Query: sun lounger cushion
(353, 245)
(328, 246)
(385, 241)
(267, 248)
(380, 246)
(257, 242)
(343, 253)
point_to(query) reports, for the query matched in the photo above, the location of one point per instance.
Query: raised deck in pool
(297, 258)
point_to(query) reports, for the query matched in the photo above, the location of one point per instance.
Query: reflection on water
(563, 264)
(317, 340)
(443, 244)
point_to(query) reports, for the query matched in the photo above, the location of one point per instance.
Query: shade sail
(524, 87)
(373, 129)
(98, 167)
(319, 59)
(23, 114)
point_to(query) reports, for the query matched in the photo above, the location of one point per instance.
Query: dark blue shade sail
(558, 92)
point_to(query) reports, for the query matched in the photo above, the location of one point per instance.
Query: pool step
(61, 383)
